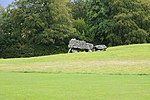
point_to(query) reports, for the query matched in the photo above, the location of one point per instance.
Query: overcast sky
(4, 3)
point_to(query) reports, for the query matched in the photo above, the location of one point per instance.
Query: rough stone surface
(77, 45)
(100, 47)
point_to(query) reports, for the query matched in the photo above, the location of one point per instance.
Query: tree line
(42, 27)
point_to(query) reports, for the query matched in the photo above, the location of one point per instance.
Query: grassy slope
(133, 59)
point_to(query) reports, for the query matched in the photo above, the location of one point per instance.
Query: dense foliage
(40, 27)
(37, 27)
(117, 22)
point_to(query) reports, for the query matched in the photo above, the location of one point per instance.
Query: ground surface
(38, 86)
(120, 73)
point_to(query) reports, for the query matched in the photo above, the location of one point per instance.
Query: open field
(120, 73)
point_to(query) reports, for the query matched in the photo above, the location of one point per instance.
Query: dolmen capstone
(77, 45)
(80, 45)
(100, 48)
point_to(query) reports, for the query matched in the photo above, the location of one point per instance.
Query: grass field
(133, 59)
(38, 86)
(120, 73)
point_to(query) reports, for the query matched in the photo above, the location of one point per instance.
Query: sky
(4, 3)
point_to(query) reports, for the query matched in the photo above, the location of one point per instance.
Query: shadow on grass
(60, 72)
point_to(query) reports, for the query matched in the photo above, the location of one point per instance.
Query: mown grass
(120, 73)
(38, 86)
(129, 52)
(132, 59)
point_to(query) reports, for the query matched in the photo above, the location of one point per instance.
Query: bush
(136, 36)
(114, 40)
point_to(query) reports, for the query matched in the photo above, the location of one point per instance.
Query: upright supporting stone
(69, 50)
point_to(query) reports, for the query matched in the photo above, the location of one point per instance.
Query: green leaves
(115, 22)
(39, 23)
(136, 36)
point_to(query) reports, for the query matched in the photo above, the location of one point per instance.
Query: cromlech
(81, 45)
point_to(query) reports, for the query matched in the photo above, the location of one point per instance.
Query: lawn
(38, 86)
(132, 59)
(120, 73)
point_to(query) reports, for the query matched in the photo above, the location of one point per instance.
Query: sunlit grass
(38, 86)
(132, 59)
(120, 73)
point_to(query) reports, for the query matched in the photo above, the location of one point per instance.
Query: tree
(136, 36)
(79, 9)
(99, 22)
(1, 30)
(130, 17)
(42, 25)
(111, 21)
